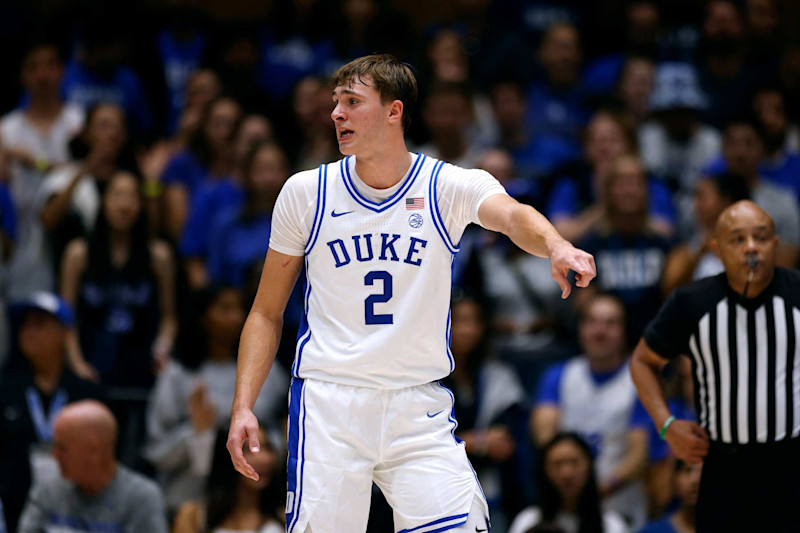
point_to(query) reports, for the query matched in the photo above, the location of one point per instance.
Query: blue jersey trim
(434, 208)
(452, 415)
(439, 521)
(304, 333)
(379, 207)
(297, 448)
(322, 187)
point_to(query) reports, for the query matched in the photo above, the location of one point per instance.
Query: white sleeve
(294, 213)
(460, 194)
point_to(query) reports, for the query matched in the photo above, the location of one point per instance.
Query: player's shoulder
(452, 171)
(304, 181)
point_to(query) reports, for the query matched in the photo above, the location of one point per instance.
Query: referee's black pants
(750, 488)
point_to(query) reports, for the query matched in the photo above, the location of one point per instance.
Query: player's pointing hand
(565, 257)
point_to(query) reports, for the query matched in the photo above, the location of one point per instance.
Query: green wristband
(664, 428)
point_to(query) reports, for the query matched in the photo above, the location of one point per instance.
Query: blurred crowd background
(143, 144)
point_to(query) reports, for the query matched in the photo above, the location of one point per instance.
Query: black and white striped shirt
(745, 355)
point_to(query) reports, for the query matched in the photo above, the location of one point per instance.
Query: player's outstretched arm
(532, 232)
(259, 343)
(687, 439)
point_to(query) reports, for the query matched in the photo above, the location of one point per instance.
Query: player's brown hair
(392, 79)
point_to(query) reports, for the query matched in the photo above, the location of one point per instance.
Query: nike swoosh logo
(335, 214)
(434, 414)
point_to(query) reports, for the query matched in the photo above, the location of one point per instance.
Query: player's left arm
(532, 232)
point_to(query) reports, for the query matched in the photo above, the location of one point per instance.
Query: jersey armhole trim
(434, 203)
(322, 181)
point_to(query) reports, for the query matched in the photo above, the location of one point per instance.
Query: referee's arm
(687, 439)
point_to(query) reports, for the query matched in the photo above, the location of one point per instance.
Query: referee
(741, 330)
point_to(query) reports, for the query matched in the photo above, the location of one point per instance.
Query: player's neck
(385, 169)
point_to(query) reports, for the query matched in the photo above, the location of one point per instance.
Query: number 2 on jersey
(369, 313)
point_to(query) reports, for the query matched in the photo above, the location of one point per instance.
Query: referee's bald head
(743, 212)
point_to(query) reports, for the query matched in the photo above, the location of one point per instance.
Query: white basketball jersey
(377, 299)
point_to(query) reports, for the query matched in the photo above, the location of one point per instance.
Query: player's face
(742, 233)
(568, 469)
(359, 116)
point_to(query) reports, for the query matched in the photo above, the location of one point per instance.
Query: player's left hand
(565, 257)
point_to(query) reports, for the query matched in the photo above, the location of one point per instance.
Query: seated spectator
(202, 86)
(569, 499)
(535, 156)
(686, 482)
(209, 157)
(593, 395)
(192, 398)
(234, 502)
(122, 284)
(629, 252)
(694, 259)
(781, 162)
(74, 189)
(490, 402)
(32, 393)
(93, 491)
(743, 151)
(97, 75)
(239, 234)
(556, 103)
(635, 87)
(312, 144)
(676, 146)
(575, 202)
(447, 113)
(35, 140)
(212, 198)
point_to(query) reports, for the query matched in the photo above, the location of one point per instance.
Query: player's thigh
(330, 458)
(425, 474)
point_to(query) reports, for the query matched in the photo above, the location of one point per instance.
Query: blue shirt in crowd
(211, 198)
(285, 63)
(8, 219)
(178, 59)
(236, 244)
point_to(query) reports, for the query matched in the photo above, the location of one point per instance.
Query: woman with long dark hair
(235, 503)
(568, 491)
(193, 395)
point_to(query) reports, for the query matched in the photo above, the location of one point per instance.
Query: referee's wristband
(664, 428)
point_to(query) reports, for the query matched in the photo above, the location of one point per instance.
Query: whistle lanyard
(44, 425)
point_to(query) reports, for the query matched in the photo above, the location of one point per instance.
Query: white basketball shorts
(342, 438)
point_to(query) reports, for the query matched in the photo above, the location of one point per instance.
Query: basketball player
(377, 233)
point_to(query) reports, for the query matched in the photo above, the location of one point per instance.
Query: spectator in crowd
(71, 193)
(239, 234)
(369, 25)
(202, 86)
(635, 87)
(694, 259)
(35, 140)
(575, 203)
(311, 144)
(675, 146)
(570, 498)
(122, 284)
(32, 395)
(686, 482)
(93, 492)
(643, 30)
(556, 103)
(208, 158)
(594, 396)
(626, 245)
(743, 150)
(181, 46)
(445, 58)
(781, 162)
(214, 198)
(192, 398)
(490, 402)
(236, 503)
(97, 75)
(725, 75)
(763, 31)
(447, 113)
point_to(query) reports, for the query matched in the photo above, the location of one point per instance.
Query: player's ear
(396, 111)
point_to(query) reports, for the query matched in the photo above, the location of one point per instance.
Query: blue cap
(48, 302)
(677, 86)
